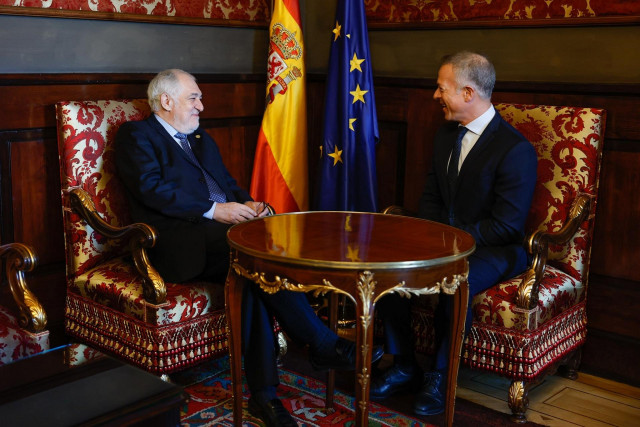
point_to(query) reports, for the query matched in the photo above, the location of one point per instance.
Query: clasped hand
(234, 213)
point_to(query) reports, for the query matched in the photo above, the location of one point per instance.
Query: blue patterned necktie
(215, 192)
(452, 171)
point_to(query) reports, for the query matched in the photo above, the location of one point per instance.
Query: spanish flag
(280, 166)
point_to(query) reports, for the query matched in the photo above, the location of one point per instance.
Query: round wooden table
(361, 255)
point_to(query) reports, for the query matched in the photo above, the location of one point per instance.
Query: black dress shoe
(273, 413)
(344, 357)
(394, 380)
(430, 399)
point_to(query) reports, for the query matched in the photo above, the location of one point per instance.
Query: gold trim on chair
(19, 259)
(140, 236)
(538, 246)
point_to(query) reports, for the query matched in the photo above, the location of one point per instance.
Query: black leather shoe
(344, 358)
(394, 380)
(273, 413)
(430, 399)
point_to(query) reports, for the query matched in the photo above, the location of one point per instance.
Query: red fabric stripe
(294, 10)
(267, 182)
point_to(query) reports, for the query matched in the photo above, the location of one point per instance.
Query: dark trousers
(296, 317)
(291, 309)
(395, 312)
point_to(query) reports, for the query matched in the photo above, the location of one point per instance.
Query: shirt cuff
(210, 212)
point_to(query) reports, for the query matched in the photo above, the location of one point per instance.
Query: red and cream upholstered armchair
(527, 326)
(23, 320)
(116, 301)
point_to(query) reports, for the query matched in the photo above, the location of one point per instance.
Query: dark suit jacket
(492, 195)
(166, 190)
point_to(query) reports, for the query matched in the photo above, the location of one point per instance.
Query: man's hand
(260, 208)
(233, 213)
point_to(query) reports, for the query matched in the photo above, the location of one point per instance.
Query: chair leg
(283, 347)
(518, 400)
(570, 369)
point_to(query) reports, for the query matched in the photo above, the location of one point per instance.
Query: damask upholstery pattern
(105, 302)
(568, 144)
(403, 11)
(117, 285)
(78, 354)
(239, 10)
(87, 161)
(558, 292)
(16, 342)
(524, 342)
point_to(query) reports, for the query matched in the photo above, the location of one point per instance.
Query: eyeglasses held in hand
(262, 206)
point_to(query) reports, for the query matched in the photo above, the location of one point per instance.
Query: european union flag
(348, 159)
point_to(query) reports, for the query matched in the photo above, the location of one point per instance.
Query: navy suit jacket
(492, 194)
(166, 190)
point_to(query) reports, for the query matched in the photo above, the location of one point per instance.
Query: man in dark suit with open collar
(483, 186)
(176, 181)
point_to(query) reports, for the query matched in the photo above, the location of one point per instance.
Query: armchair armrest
(397, 210)
(139, 236)
(18, 259)
(538, 246)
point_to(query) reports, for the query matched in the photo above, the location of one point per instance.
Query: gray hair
(164, 82)
(473, 69)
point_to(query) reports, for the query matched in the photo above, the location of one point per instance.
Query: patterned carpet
(209, 386)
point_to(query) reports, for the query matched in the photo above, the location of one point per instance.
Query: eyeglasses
(262, 206)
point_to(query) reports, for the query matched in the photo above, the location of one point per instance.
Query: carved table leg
(233, 302)
(364, 342)
(333, 325)
(460, 302)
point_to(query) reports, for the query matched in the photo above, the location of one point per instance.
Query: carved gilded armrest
(397, 210)
(139, 237)
(538, 246)
(19, 259)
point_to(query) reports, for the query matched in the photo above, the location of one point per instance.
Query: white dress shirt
(474, 130)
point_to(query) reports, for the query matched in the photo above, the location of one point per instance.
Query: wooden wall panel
(35, 191)
(237, 143)
(30, 104)
(391, 154)
(424, 117)
(315, 118)
(616, 249)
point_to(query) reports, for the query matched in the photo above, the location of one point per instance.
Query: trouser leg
(259, 344)
(482, 275)
(395, 314)
(296, 317)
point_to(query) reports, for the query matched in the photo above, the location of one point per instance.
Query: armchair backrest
(568, 141)
(86, 130)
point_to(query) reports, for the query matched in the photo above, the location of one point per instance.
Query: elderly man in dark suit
(175, 180)
(481, 181)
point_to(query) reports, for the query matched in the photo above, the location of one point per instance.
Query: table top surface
(351, 240)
